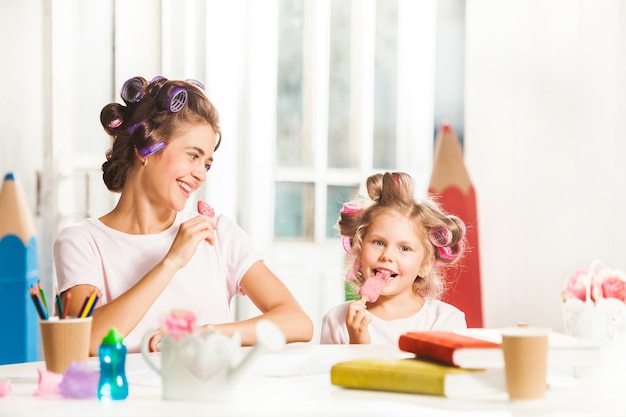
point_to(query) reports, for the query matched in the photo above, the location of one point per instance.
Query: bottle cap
(113, 337)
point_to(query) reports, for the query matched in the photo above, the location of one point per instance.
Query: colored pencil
(34, 294)
(87, 305)
(66, 305)
(58, 301)
(93, 305)
(43, 296)
(82, 308)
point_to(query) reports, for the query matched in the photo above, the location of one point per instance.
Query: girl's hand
(155, 339)
(357, 321)
(189, 236)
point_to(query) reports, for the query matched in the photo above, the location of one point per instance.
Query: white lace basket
(602, 322)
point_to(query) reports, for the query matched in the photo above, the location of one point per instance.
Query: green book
(417, 376)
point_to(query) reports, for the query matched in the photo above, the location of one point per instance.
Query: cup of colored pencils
(65, 338)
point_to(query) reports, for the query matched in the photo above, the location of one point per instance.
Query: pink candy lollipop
(373, 287)
(205, 208)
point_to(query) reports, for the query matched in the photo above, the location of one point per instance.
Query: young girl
(397, 244)
(148, 256)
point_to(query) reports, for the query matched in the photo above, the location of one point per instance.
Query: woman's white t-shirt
(91, 253)
(434, 315)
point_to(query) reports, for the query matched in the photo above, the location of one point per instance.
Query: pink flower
(179, 323)
(576, 286)
(610, 284)
(604, 283)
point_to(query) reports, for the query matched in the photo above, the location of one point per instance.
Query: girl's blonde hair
(442, 235)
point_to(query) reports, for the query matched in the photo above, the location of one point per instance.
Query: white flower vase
(602, 322)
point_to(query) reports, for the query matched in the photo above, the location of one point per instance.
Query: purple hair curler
(173, 100)
(196, 83)
(167, 97)
(134, 127)
(155, 85)
(132, 90)
(150, 149)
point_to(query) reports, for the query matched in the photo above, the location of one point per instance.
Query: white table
(296, 383)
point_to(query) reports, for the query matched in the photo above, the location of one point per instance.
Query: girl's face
(392, 243)
(181, 167)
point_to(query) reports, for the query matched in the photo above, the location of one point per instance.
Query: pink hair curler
(450, 253)
(115, 123)
(396, 179)
(346, 242)
(463, 229)
(350, 208)
(440, 236)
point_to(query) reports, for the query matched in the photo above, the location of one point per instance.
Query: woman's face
(181, 167)
(392, 244)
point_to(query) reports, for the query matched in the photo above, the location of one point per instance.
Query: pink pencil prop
(373, 287)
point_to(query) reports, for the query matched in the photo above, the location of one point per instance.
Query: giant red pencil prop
(450, 184)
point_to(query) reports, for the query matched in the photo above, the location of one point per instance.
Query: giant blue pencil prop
(18, 272)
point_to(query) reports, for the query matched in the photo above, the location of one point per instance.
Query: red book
(448, 348)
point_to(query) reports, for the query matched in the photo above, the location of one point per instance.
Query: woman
(148, 256)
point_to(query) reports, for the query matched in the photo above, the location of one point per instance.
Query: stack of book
(460, 364)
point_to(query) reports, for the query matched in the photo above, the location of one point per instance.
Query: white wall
(545, 146)
(23, 94)
(21, 107)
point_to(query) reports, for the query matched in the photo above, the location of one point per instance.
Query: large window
(314, 96)
(337, 106)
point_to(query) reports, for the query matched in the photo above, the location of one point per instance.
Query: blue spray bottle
(112, 353)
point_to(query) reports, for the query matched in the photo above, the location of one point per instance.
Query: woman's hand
(357, 321)
(189, 236)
